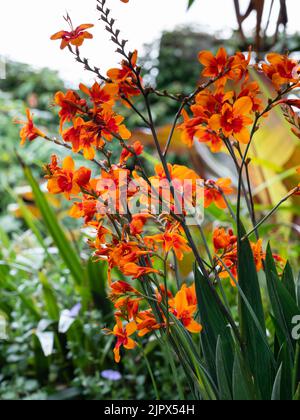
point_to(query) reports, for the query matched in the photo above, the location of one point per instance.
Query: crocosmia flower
(29, 131)
(74, 37)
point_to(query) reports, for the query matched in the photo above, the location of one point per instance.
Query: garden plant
(231, 325)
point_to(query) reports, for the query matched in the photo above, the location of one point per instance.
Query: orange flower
(29, 131)
(225, 244)
(127, 308)
(71, 104)
(214, 192)
(223, 240)
(123, 335)
(74, 37)
(281, 70)
(146, 323)
(251, 90)
(206, 105)
(87, 208)
(126, 300)
(67, 180)
(124, 256)
(101, 95)
(208, 136)
(135, 271)
(121, 289)
(81, 138)
(137, 223)
(233, 68)
(190, 128)
(258, 254)
(172, 242)
(109, 124)
(125, 78)
(121, 75)
(184, 310)
(233, 120)
(214, 65)
(137, 149)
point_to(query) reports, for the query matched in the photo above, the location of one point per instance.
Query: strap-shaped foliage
(259, 359)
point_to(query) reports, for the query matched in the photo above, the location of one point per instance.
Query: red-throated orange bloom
(124, 256)
(109, 123)
(211, 138)
(234, 119)
(120, 289)
(74, 37)
(225, 245)
(138, 222)
(71, 104)
(91, 135)
(66, 179)
(79, 136)
(251, 90)
(281, 70)
(223, 239)
(135, 150)
(190, 128)
(125, 77)
(172, 241)
(184, 181)
(127, 308)
(233, 68)
(206, 105)
(213, 65)
(178, 174)
(184, 310)
(101, 95)
(214, 192)
(146, 323)
(135, 271)
(120, 75)
(123, 334)
(126, 300)
(29, 131)
(87, 209)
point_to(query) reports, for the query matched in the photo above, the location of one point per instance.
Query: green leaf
(283, 305)
(288, 281)
(286, 386)
(224, 371)
(298, 290)
(258, 356)
(215, 325)
(49, 298)
(297, 395)
(243, 387)
(186, 347)
(67, 252)
(190, 3)
(277, 385)
(7, 283)
(97, 278)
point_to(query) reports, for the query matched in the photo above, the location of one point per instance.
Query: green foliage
(253, 368)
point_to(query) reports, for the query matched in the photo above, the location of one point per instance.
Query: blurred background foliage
(52, 295)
